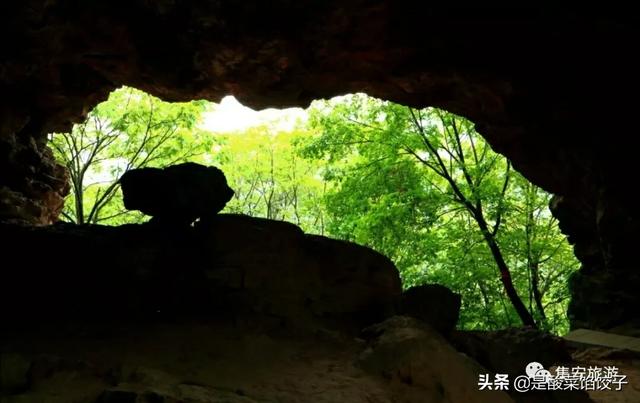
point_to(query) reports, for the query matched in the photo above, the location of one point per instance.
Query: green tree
(270, 179)
(424, 188)
(130, 130)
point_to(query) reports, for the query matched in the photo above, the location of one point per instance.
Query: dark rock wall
(549, 86)
(234, 268)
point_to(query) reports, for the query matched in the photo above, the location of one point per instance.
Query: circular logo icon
(533, 368)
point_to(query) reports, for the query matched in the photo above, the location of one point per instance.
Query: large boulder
(432, 303)
(178, 193)
(233, 266)
(420, 365)
(275, 269)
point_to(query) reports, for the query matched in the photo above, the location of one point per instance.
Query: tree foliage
(422, 187)
(131, 129)
(270, 179)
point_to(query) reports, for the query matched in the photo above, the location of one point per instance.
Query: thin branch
(503, 193)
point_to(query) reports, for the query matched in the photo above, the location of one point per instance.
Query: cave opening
(420, 186)
(293, 316)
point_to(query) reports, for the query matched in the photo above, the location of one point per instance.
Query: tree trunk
(533, 258)
(535, 285)
(79, 202)
(505, 274)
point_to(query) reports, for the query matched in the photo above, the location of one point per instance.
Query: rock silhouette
(177, 194)
(434, 304)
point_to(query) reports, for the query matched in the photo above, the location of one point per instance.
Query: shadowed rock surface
(179, 193)
(509, 351)
(420, 364)
(434, 304)
(236, 309)
(216, 363)
(233, 266)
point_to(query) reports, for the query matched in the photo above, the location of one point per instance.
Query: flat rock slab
(596, 338)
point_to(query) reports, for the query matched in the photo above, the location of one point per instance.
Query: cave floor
(627, 362)
(243, 363)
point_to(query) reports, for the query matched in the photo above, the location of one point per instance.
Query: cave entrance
(418, 185)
